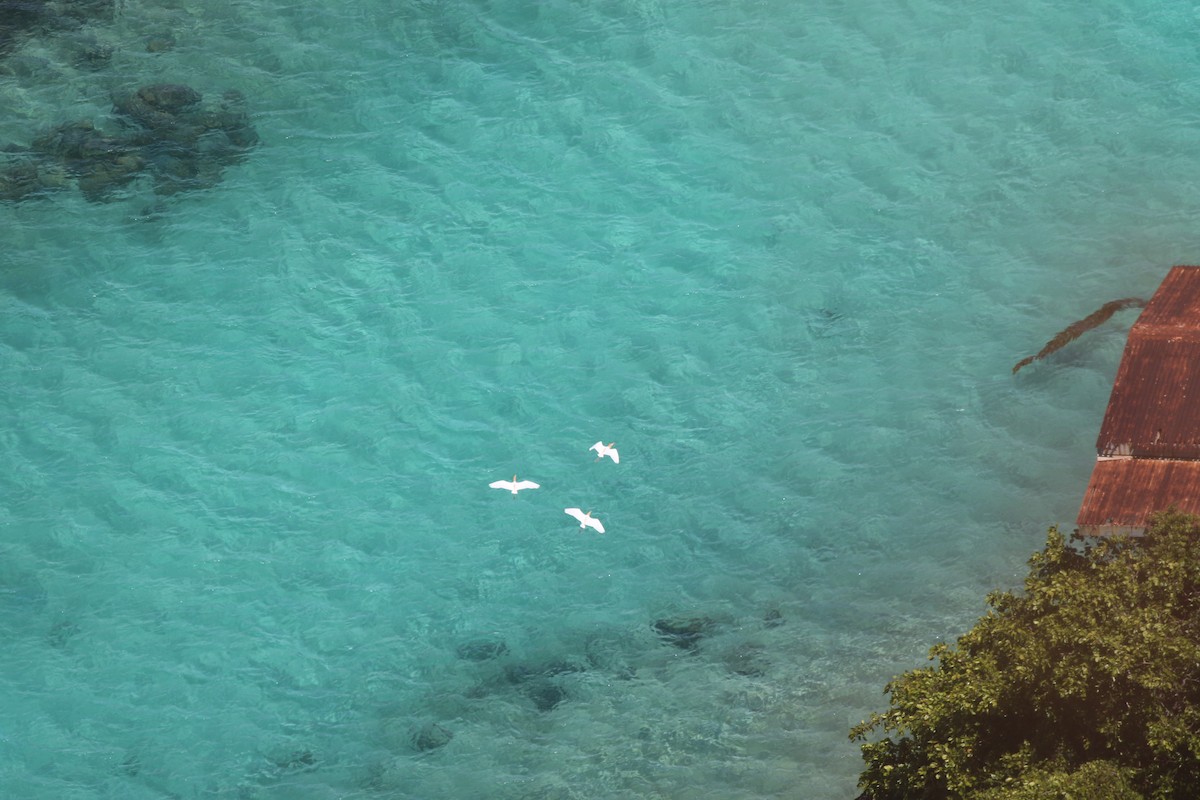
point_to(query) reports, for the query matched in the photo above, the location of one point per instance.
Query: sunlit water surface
(783, 254)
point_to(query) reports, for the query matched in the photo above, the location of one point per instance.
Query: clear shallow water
(784, 256)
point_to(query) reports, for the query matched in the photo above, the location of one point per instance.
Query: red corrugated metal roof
(1123, 493)
(1154, 408)
(1177, 301)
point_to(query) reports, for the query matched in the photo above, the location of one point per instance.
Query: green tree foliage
(1095, 780)
(1086, 686)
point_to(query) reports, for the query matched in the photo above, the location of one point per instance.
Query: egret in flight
(585, 519)
(606, 450)
(514, 485)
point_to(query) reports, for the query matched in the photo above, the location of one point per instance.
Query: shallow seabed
(783, 254)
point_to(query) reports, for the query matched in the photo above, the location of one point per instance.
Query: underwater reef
(24, 19)
(165, 131)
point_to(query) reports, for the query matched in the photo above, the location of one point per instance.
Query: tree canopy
(1085, 686)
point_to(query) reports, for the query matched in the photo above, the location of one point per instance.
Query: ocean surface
(783, 254)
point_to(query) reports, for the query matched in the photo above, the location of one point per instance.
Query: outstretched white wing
(514, 485)
(585, 520)
(603, 450)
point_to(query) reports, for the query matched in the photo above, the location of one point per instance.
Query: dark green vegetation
(1085, 686)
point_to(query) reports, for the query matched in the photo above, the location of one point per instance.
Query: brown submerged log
(1075, 329)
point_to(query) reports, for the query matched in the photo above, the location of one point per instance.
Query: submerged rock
(160, 42)
(747, 659)
(99, 162)
(537, 681)
(168, 134)
(481, 649)
(25, 66)
(610, 652)
(79, 141)
(61, 633)
(545, 694)
(158, 106)
(98, 179)
(90, 53)
(189, 145)
(684, 632)
(430, 736)
(25, 179)
(297, 761)
(20, 19)
(86, 10)
(521, 673)
(231, 118)
(20, 591)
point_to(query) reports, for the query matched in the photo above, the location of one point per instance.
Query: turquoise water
(784, 255)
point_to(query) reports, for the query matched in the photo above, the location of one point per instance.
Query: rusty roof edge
(1159, 330)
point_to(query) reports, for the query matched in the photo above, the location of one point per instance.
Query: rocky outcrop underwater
(21, 20)
(166, 132)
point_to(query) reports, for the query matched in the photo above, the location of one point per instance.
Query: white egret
(585, 519)
(514, 485)
(606, 450)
